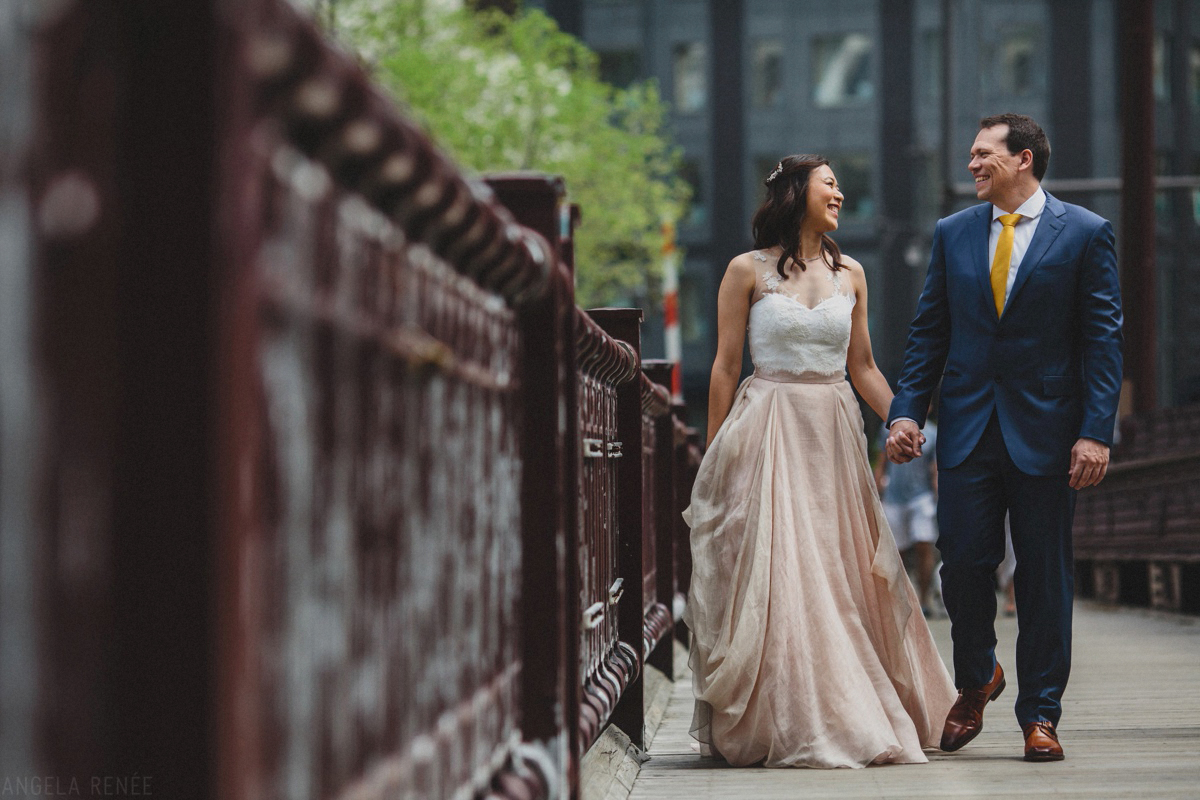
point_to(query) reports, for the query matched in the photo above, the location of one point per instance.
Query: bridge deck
(1130, 728)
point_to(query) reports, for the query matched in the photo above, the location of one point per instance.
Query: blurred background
(311, 468)
(892, 91)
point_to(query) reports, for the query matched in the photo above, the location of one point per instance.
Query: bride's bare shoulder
(745, 267)
(851, 264)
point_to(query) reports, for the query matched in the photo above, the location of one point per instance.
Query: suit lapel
(1049, 226)
(977, 240)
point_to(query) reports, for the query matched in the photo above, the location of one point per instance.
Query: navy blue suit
(1017, 392)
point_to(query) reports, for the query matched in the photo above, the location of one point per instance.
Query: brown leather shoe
(965, 720)
(1041, 742)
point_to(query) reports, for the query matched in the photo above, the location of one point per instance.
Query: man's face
(994, 168)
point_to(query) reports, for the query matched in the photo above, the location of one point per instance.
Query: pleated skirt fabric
(808, 648)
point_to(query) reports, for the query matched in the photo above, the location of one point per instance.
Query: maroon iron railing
(658, 517)
(1137, 535)
(608, 661)
(298, 489)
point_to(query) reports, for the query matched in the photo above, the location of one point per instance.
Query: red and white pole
(670, 285)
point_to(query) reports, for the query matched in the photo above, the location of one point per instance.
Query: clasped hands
(904, 441)
(1089, 458)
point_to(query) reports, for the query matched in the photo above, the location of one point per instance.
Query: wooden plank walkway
(1130, 728)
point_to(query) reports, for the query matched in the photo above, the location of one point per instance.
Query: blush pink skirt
(808, 645)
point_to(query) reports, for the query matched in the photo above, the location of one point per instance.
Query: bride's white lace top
(788, 339)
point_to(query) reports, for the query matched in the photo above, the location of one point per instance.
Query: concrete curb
(611, 765)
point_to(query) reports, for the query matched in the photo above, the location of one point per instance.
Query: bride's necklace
(814, 258)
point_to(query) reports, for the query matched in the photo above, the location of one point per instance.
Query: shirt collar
(1030, 209)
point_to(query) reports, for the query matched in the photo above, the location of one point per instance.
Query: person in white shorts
(909, 495)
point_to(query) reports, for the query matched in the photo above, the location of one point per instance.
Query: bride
(806, 650)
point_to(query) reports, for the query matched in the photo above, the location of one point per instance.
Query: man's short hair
(1023, 134)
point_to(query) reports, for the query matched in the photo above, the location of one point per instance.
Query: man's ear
(1026, 159)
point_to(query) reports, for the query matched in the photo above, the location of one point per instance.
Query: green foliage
(515, 93)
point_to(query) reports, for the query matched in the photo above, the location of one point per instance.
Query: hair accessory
(775, 173)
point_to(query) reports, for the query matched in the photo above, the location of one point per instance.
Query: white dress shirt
(1031, 213)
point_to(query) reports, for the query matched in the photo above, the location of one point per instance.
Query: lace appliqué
(758, 256)
(834, 276)
(787, 336)
(771, 282)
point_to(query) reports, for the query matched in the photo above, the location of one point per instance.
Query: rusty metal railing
(658, 514)
(608, 663)
(308, 441)
(1137, 535)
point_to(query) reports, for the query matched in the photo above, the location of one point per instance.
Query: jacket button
(999, 379)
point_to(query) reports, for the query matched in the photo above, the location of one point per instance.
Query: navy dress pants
(973, 498)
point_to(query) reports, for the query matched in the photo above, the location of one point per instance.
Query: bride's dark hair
(777, 221)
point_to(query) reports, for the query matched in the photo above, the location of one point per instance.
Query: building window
(693, 311)
(929, 59)
(1162, 68)
(842, 70)
(853, 171)
(698, 209)
(767, 73)
(1017, 63)
(1194, 74)
(620, 67)
(689, 66)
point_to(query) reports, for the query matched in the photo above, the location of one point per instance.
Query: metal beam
(897, 280)
(1137, 242)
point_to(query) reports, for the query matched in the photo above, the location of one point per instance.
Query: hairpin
(775, 173)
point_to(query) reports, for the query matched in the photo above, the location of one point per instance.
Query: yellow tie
(1002, 259)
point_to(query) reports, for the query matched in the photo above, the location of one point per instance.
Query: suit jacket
(1049, 366)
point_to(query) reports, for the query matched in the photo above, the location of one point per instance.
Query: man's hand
(1089, 463)
(904, 441)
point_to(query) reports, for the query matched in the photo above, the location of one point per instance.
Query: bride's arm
(733, 311)
(867, 378)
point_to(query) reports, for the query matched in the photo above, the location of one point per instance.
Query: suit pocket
(1060, 385)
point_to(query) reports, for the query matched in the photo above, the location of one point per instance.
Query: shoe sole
(1036, 757)
(968, 740)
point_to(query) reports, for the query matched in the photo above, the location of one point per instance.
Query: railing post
(663, 656)
(625, 324)
(549, 494)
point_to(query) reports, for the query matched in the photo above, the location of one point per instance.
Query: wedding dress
(806, 650)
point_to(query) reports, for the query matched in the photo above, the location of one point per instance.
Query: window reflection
(689, 64)
(842, 70)
(767, 73)
(930, 60)
(1194, 74)
(1162, 71)
(1017, 63)
(689, 170)
(693, 313)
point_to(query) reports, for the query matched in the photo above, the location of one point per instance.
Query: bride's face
(824, 200)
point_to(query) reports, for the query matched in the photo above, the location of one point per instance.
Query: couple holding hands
(806, 649)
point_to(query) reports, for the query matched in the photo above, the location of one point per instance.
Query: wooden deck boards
(1130, 728)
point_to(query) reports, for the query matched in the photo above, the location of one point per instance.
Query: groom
(1020, 320)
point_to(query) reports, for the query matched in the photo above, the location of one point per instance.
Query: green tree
(501, 92)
